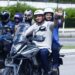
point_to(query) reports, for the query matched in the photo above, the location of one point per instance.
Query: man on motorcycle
(28, 16)
(49, 16)
(42, 33)
(28, 19)
(6, 33)
(18, 18)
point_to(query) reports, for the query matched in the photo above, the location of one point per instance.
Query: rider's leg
(43, 56)
(55, 55)
(56, 44)
(55, 50)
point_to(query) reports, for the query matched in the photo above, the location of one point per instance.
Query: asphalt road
(68, 67)
(67, 41)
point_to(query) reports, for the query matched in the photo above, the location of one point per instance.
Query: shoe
(46, 73)
(60, 47)
(54, 68)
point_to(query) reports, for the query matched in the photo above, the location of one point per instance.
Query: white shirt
(47, 33)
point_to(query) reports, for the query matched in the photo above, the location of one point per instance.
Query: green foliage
(70, 13)
(70, 22)
(17, 8)
(63, 1)
(70, 18)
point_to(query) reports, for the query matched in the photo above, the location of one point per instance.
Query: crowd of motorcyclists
(43, 27)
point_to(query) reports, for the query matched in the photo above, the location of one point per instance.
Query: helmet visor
(5, 17)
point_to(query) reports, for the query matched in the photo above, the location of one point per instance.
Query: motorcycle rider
(18, 18)
(28, 19)
(49, 16)
(7, 31)
(42, 33)
(28, 16)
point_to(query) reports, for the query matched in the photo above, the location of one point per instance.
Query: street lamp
(17, 1)
(8, 2)
(57, 3)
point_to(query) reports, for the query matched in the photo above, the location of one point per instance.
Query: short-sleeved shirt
(46, 32)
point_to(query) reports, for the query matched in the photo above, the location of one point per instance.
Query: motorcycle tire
(26, 68)
(37, 71)
(8, 71)
(55, 72)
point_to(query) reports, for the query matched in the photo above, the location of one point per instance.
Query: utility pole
(64, 22)
(17, 1)
(8, 2)
(57, 3)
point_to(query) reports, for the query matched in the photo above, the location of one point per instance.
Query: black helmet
(5, 15)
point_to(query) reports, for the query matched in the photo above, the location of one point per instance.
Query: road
(68, 67)
(67, 41)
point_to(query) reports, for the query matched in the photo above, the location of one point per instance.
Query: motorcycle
(5, 42)
(22, 59)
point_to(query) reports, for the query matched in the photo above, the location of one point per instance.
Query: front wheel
(26, 68)
(55, 72)
(8, 71)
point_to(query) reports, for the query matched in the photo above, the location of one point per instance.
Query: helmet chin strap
(40, 23)
(49, 19)
(29, 21)
(5, 21)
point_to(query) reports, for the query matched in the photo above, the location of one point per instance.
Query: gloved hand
(7, 36)
(1, 37)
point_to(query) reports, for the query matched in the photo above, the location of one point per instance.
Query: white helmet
(46, 10)
(39, 12)
(28, 12)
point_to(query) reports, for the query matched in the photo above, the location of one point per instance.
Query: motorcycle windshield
(19, 37)
(19, 40)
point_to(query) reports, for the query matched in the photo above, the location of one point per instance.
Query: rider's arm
(29, 30)
(55, 22)
(51, 25)
(59, 18)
